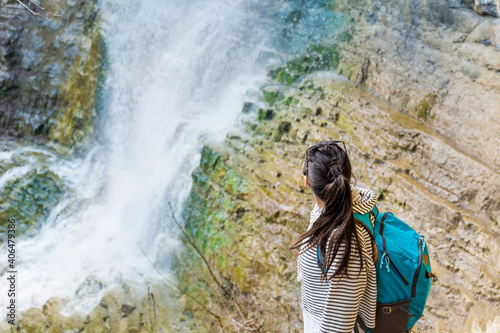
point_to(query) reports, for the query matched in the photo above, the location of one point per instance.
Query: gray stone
(487, 7)
(127, 308)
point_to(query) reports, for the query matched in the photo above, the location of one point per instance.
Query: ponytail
(335, 226)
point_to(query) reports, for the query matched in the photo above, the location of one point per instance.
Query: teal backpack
(404, 273)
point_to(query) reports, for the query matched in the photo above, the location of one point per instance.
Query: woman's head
(327, 170)
(326, 167)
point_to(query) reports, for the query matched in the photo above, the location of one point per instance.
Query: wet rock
(265, 114)
(30, 199)
(127, 308)
(249, 107)
(487, 7)
(49, 72)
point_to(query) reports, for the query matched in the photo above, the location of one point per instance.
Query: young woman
(338, 283)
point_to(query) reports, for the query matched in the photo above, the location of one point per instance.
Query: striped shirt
(335, 304)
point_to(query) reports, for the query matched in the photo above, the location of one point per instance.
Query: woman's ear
(306, 179)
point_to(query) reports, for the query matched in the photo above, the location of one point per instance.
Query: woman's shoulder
(362, 199)
(365, 240)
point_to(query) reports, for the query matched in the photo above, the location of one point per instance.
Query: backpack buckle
(387, 310)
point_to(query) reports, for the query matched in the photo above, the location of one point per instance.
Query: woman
(341, 295)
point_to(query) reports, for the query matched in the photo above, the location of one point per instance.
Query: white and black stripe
(336, 304)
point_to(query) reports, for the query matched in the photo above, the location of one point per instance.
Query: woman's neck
(319, 202)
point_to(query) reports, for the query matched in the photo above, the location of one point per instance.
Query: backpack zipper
(386, 254)
(419, 266)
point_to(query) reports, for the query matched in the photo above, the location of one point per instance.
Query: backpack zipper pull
(423, 241)
(387, 261)
(382, 260)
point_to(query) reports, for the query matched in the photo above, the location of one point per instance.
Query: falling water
(177, 74)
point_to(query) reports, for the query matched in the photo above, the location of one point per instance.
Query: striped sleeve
(367, 306)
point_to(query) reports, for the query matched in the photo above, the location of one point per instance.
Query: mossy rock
(213, 166)
(79, 94)
(265, 114)
(423, 108)
(283, 128)
(209, 158)
(29, 200)
(314, 89)
(317, 57)
(249, 107)
(270, 96)
(288, 101)
(3, 92)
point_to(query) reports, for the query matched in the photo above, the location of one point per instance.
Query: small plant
(424, 107)
(3, 92)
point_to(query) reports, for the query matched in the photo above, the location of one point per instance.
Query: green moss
(211, 213)
(288, 101)
(234, 183)
(283, 75)
(209, 158)
(270, 96)
(213, 166)
(200, 179)
(314, 89)
(265, 114)
(3, 92)
(423, 108)
(30, 200)
(317, 57)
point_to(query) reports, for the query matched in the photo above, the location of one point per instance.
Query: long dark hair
(329, 171)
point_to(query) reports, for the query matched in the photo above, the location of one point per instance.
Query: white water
(178, 72)
(177, 75)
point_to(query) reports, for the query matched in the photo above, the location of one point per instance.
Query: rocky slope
(417, 103)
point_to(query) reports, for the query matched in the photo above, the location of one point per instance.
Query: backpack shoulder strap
(364, 220)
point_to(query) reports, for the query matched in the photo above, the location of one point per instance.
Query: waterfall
(177, 75)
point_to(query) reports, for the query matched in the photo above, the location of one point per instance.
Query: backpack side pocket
(392, 317)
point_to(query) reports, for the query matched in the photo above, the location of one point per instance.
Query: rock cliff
(49, 71)
(414, 92)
